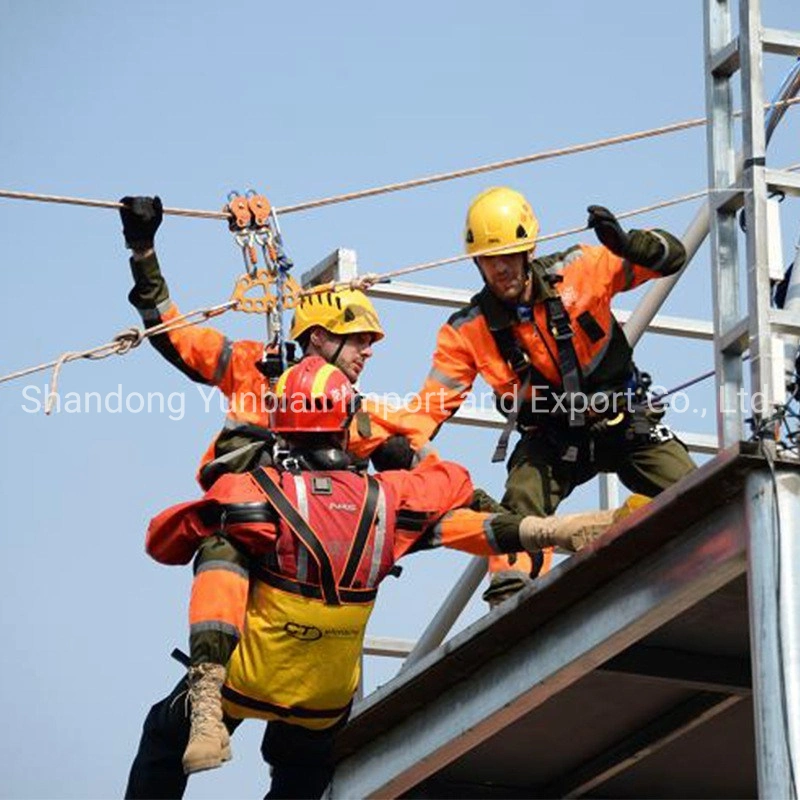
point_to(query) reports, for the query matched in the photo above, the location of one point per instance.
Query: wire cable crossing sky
(105, 100)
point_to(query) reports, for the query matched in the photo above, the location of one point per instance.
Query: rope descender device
(254, 224)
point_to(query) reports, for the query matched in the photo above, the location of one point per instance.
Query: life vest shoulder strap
(290, 515)
(366, 525)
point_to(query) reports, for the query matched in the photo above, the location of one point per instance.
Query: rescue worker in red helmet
(316, 538)
(542, 335)
(341, 329)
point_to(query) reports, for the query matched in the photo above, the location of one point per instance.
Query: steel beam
(725, 61)
(449, 611)
(773, 508)
(606, 622)
(784, 181)
(385, 646)
(478, 418)
(446, 297)
(695, 671)
(340, 265)
(786, 43)
(645, 742)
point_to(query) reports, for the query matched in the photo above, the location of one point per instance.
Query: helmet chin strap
(338, 351)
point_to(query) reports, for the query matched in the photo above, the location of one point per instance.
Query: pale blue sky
(190, 100)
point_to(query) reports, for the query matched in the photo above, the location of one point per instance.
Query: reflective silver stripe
(436, 532)
(489, 532)
(572, 255)
(223, 360)
(451, 383)
(153, 314)
(379, 539)
(228, 566)
(215, 626)
(302, 503)
(630, 276)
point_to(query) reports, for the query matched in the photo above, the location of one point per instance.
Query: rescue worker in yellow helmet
(542, 334)
(341, 328)
(317, 538)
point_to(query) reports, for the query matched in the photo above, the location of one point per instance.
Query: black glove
(141, 217)
(608, 231)
(395, 453)
(654, 249)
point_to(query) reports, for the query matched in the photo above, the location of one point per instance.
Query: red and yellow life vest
(299, 656)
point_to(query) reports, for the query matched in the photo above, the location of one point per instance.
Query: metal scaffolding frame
(342, 265)
(745, 321)
(530, 673)
(635, 607)
(756, 536)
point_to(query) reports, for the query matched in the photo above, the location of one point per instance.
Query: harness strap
(304, 532)
(511, 351)
(517, 359)
(501, 449)
(366, 523)
(560, 328)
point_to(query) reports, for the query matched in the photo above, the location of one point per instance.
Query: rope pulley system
(254, 225)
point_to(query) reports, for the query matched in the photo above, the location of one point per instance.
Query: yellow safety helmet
(344, 312)
(500, 216)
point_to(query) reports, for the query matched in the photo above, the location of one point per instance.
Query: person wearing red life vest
(340, 327)
(313, 538)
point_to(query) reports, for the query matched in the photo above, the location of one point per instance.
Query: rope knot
(364, 282)
(128, 339)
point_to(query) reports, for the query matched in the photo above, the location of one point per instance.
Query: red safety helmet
(313, 397)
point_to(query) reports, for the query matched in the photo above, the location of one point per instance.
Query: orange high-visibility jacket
(415, 505)
(207, 356)
(590, 276)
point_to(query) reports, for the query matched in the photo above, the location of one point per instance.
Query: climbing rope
(415, 182)
(363, 282)
(240, 301)
(122, 343)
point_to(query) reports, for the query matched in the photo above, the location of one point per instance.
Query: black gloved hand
(141, 217)
(395, 453)
(608, 230)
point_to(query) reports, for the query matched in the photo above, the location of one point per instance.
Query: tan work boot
(569, 532)
(209, 743)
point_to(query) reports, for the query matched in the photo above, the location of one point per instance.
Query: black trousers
(300, 759)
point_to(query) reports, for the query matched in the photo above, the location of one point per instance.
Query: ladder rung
(727, 200)
(726, 60)
(784, 322)
(783, 180)
(785, 43)
(736, 339)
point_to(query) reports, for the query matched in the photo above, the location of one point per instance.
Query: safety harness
(501, 323)
(644, 413)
